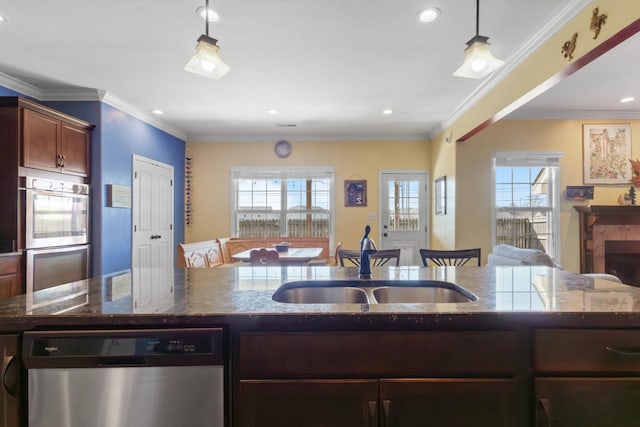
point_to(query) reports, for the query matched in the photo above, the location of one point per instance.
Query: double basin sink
(372, 292)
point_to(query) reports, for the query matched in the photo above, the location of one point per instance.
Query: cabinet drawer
(571, 350)
(9, 264)
(380, 354)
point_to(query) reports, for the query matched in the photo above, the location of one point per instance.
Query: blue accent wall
(122, 136)
(114, 141)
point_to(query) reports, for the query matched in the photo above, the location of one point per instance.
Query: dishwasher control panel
(124, 347)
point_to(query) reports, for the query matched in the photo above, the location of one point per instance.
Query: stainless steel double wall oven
(56, 224)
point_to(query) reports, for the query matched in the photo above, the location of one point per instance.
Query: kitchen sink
(322, 295)
(372, 292)
(416, 294)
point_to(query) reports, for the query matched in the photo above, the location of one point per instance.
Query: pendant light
(478, 60)
(206, 61)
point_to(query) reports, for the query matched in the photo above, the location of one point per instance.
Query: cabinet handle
(386, 404)
(373, 413)
(625, 351)
(9, 376)
(64, 160)
(59, 160)
(544, 408)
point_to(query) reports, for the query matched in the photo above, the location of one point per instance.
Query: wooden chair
(264, 257)
(383, 256)
(351, 255)
(456, 258)
(378, 259)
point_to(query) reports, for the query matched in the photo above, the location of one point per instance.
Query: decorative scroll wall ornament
(597, 21)
(635, 170)
(569, 46)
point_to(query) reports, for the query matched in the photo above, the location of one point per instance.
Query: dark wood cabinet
(10, 381)
(50, 143)
(402, 379)
(587, 377)
(41, 142)
(309, 403)
(10, 282)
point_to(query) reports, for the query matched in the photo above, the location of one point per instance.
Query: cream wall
(473, 168)
(211, 178)
(443, 227)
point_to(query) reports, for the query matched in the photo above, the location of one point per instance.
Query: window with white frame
(291, 202)
(526, 208)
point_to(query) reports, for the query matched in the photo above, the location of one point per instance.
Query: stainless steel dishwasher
(125, 378)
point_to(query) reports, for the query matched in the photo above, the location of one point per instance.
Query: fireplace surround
(610, 241)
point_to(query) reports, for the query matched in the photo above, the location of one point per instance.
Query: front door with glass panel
(403, 214)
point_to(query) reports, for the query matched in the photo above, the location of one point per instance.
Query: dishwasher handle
(112, 362)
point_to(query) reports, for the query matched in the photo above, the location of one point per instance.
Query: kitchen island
(538, 345)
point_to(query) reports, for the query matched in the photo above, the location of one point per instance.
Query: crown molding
(116, 102)
(88, 94)
(19, 86)
(566, 14)
(229, 137)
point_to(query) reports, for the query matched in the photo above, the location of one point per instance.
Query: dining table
(292, 256)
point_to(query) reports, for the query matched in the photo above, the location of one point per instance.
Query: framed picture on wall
(440, 191)
(606, 153)
(355, 193)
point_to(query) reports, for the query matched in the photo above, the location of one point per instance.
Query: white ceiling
(329, 66)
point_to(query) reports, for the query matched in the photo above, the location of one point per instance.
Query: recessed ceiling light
(3, 18)
(627, 99)
(429, 14)
(387, 111)
(273, 111)
(157, 111)
(213, 15)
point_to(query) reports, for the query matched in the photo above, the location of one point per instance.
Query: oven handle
(10, 375)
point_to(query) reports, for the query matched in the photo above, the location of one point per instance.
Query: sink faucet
(367, 247)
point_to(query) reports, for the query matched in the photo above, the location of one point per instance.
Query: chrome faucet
(367, 247)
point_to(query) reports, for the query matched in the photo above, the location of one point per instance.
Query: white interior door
(152, 238)
(403, 213)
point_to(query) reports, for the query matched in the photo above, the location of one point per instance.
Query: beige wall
(474, 177)
(212, 163)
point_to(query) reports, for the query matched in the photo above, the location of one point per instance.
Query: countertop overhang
(242, 296)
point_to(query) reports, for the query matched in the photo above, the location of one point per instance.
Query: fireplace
(622, 259)
(610, 241)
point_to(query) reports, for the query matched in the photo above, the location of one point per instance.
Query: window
(526, 200)
(292, 202)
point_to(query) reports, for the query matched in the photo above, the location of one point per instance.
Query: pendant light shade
(478, 60)
(206, 61)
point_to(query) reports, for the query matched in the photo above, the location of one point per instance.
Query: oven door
(56, 218)
(56, 266)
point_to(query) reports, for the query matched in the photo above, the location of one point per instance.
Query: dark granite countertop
(541, 295)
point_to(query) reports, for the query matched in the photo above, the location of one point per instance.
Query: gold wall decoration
(597, 21)
(569, 46)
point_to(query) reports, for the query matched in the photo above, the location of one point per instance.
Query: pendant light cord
(206, 11)
(477, 17)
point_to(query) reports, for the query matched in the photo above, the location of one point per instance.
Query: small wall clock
(282, 149)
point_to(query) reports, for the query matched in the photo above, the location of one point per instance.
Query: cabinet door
(9, 286)
(75, 150)
(9, 382)
(308, 403)
(40, 141)
(452, 402)
(587, 402)
(10, 276)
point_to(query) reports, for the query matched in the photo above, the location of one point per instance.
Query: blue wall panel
(122, 137)
(114, 141)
